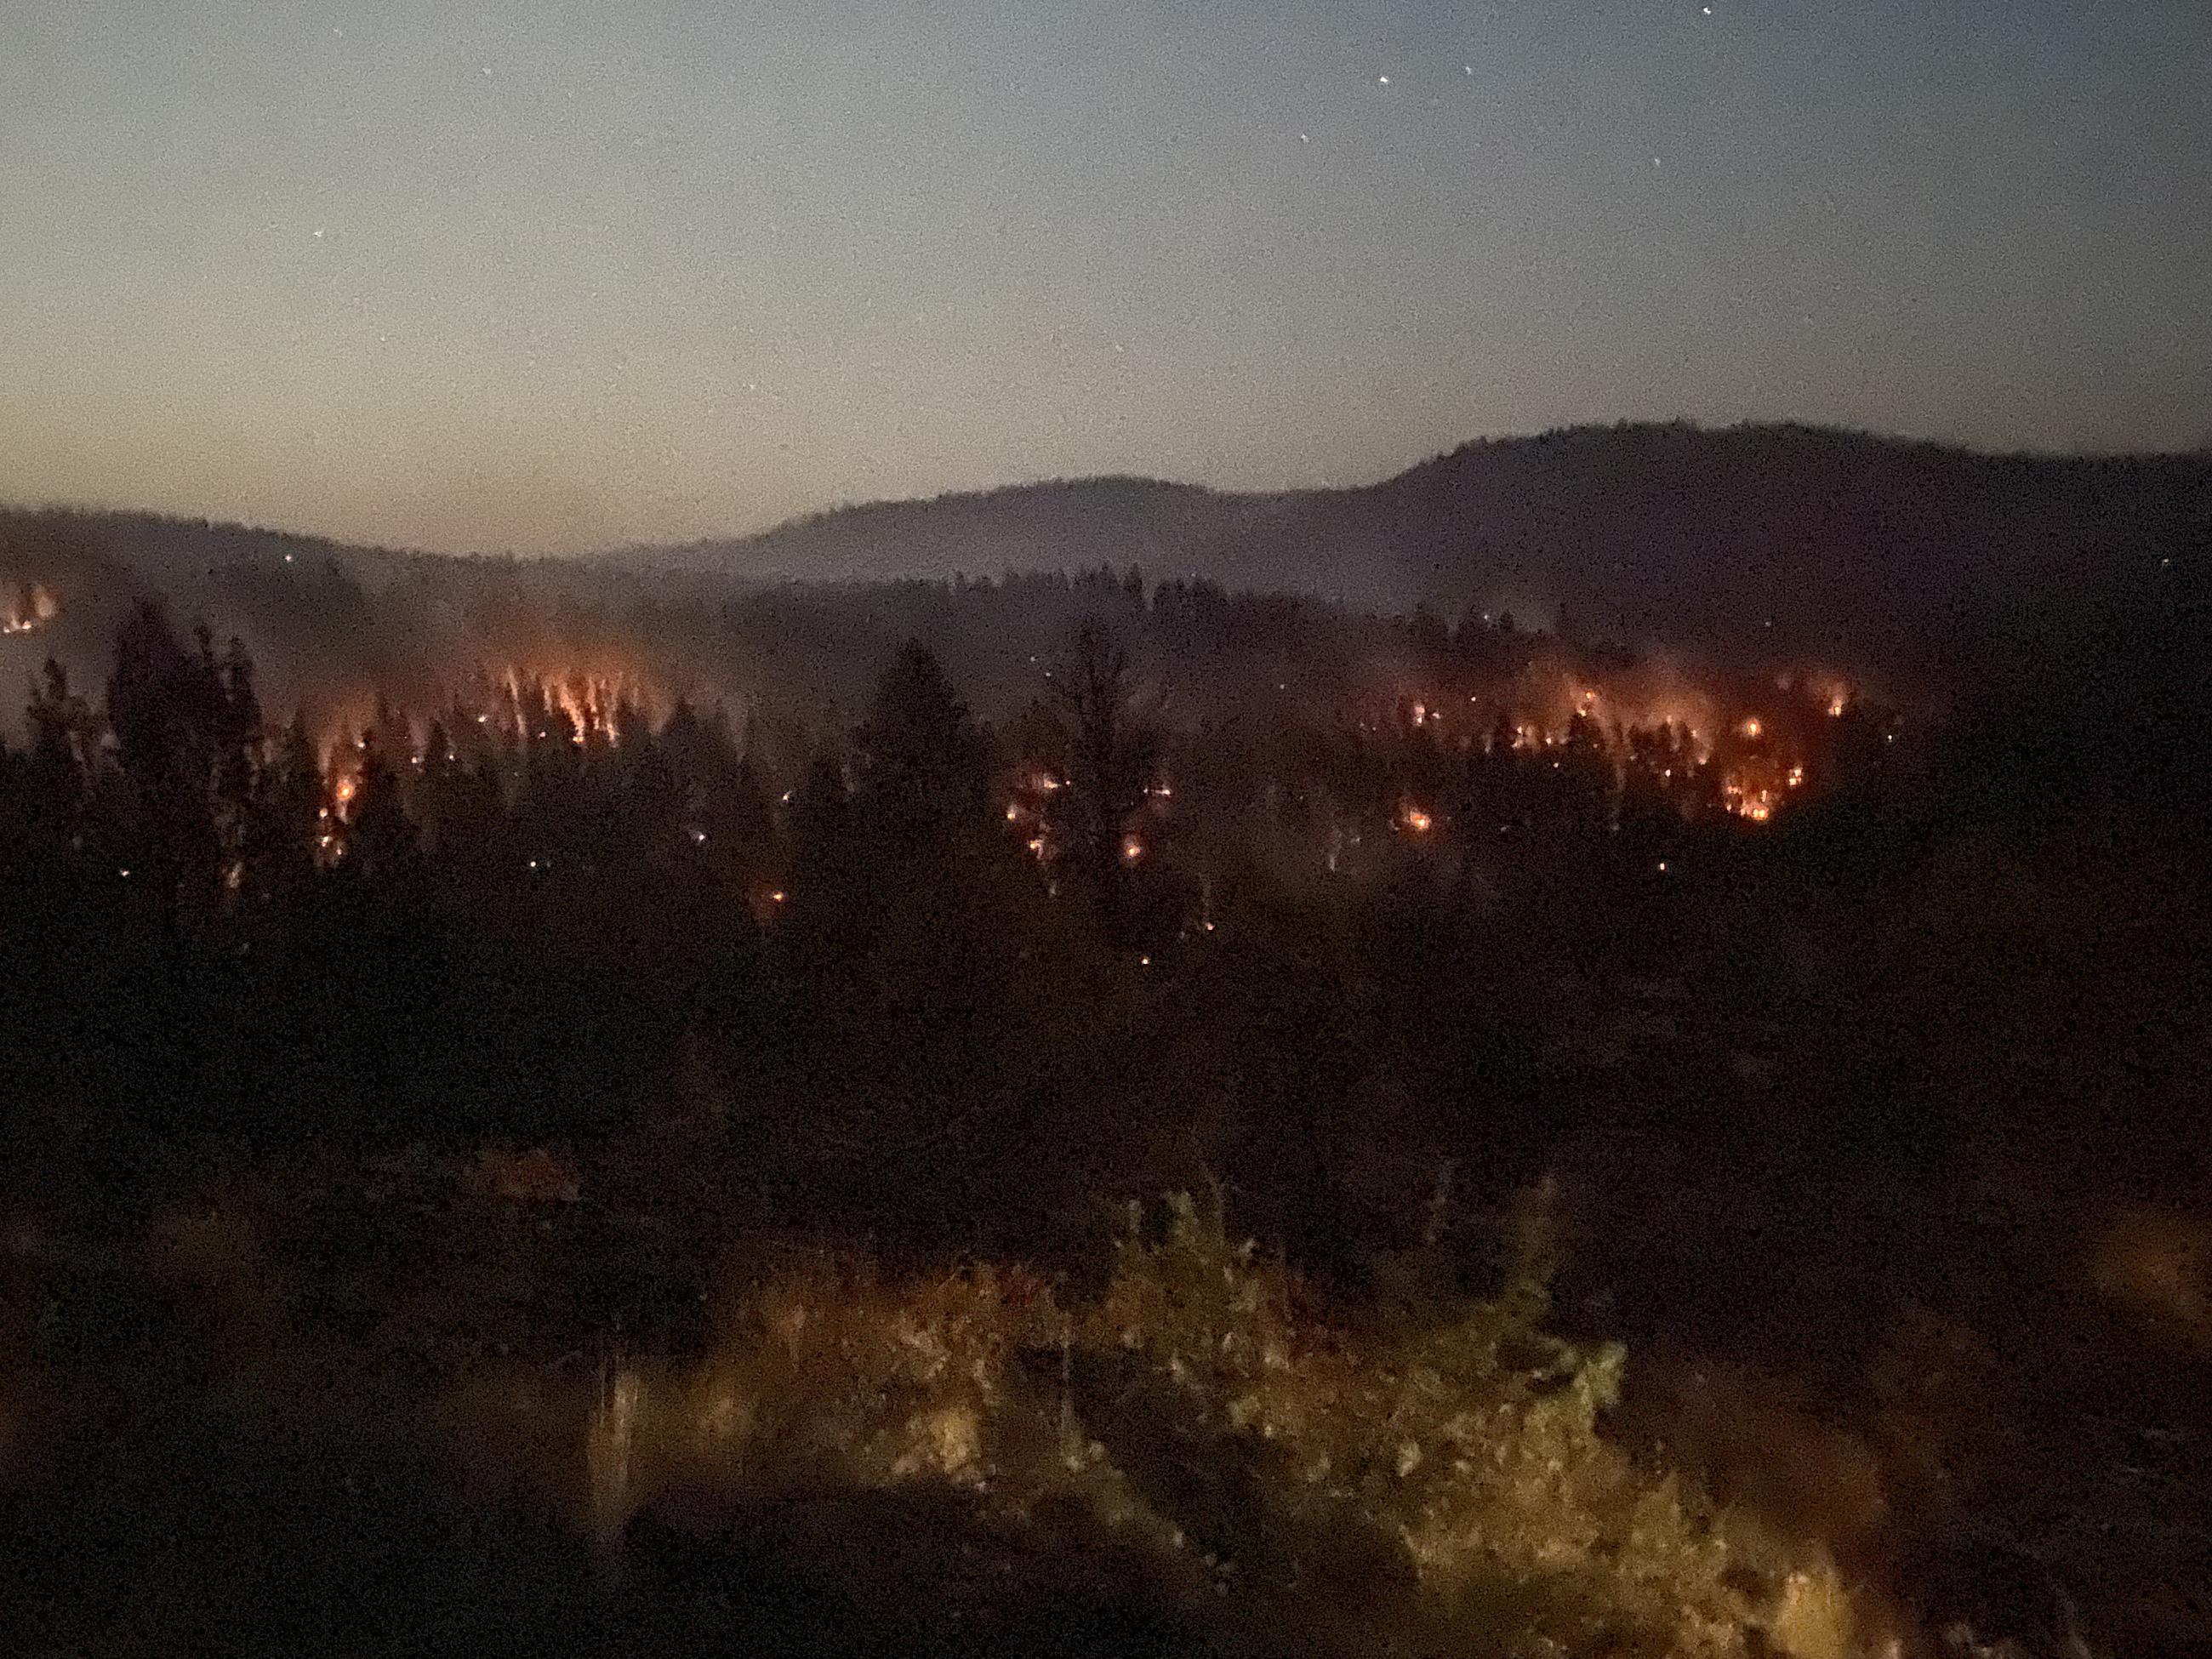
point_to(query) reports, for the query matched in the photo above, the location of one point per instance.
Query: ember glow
(30, 607)
(1747, 747)
(502, 714)
(593, 706)
(1747, 801)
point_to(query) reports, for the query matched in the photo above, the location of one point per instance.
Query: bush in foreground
(1431, 1482)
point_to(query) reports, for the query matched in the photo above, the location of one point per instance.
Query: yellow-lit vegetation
(1435, 1480)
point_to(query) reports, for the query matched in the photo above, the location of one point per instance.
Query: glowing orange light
(1036, 845)
(1132, 850)
(1012, 812)
(1837, 704)
(1751, 728)
(37, 607)
(1417, 821)
(777, 897)
(1755, 803)
(347, 789)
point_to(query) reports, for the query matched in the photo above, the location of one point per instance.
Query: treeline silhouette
(948, 976)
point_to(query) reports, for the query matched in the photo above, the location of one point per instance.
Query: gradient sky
(552, 275)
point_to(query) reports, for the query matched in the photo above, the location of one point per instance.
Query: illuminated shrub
(1442, 1479)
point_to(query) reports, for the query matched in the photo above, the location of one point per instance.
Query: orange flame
(32, 608)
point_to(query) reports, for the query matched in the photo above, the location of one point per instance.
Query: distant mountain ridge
(1729, 540)
(1166, 529)
(1750, 540)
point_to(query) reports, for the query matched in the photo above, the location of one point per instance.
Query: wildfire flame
(31, 608)
(1658, 722)
(1749, 797)
(515, 705)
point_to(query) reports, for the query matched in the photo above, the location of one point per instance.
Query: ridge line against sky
(560, 276)
(803, 520)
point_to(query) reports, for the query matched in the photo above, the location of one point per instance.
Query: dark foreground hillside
(1192, 1454)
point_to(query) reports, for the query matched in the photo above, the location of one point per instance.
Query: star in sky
(1990, 214)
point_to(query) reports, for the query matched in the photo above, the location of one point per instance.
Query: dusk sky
(552, 276)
